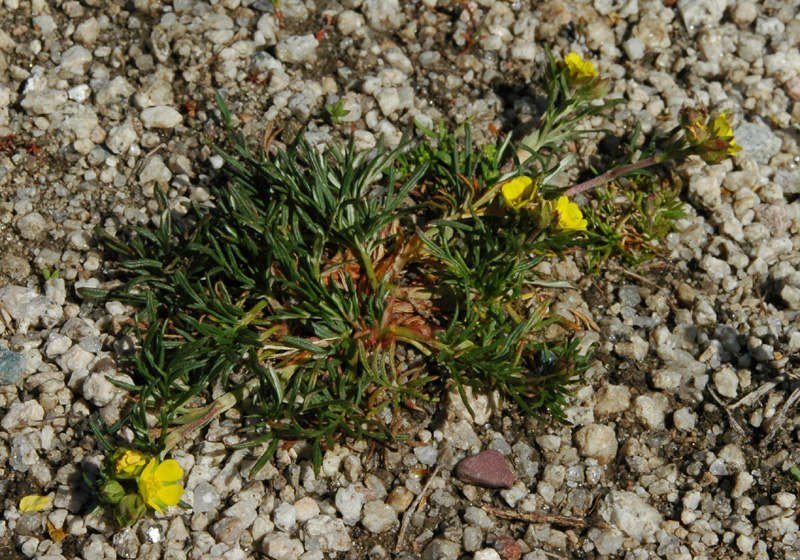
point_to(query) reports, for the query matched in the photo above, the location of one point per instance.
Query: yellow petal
(171, 495)
(129, 461)
(149, 470)
(156, 504)
(169, 471)
(579, 70)
(573, 60)
(722, 128)
(570, 217)
(56, 535)
(518, 192)
(33, 503)
(146, 479)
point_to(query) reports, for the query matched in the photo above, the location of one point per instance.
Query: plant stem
(196, 419)
(366, 262)
(612, 174)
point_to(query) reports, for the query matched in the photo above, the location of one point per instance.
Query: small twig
(731, 419)
(145, 158)
(413, 507)
(778, 421)
(761, 391)
(542, 517)
(206, 62)
(270, 134)
(585, 319)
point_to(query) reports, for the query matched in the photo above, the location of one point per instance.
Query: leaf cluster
(630, 217)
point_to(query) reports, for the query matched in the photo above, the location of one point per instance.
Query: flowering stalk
(612, 174)
(710, 139)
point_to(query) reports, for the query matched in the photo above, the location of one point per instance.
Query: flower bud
(598, 88)
(129, 510)
(715, 150)
(127, 463)
(693, 122)
(111, 492)
(542, 214)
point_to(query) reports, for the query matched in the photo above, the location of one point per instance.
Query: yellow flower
(128, 461)
(579, 71)
(721, 129)
(519, 192)
(570, 217)
(158, 484)
(33, 503)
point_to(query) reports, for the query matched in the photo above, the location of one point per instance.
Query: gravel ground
(685, 429)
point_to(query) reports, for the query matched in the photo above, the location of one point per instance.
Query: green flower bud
(129, 510)
(111, 492)
(543, 214)
(598, 88)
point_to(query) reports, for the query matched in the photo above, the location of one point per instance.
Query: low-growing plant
(336, 112)
(47, 274)
(630, 217)
(300, 290)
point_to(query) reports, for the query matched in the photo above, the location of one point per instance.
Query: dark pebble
(12, 366)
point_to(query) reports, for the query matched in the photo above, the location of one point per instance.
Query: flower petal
(171, 495)
(518, 192)
(146, 478)
(169, 471)
(156, 504)
(570, 217)
(33, 503)
(149, 470)
(722, 128)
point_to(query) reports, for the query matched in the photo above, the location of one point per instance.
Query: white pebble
(612, 399)
(79, 93)
(75, 60)
(487, 554)
(650, 410)
(297, 48)
(349, 502)
(632, 515)
(348, 21)
(216, 162)
(99, 390)
(666, 379)
(306, 508)
(161, 117)
(515, 494)
(378, 517)
(22, 415)
(326, 534)
(285, 517)
(57, 344)
(684, 419)
(597, 441)
(634, 48)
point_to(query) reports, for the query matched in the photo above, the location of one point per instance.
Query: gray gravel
(681, 439)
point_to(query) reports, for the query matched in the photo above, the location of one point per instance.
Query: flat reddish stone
(488, 469)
